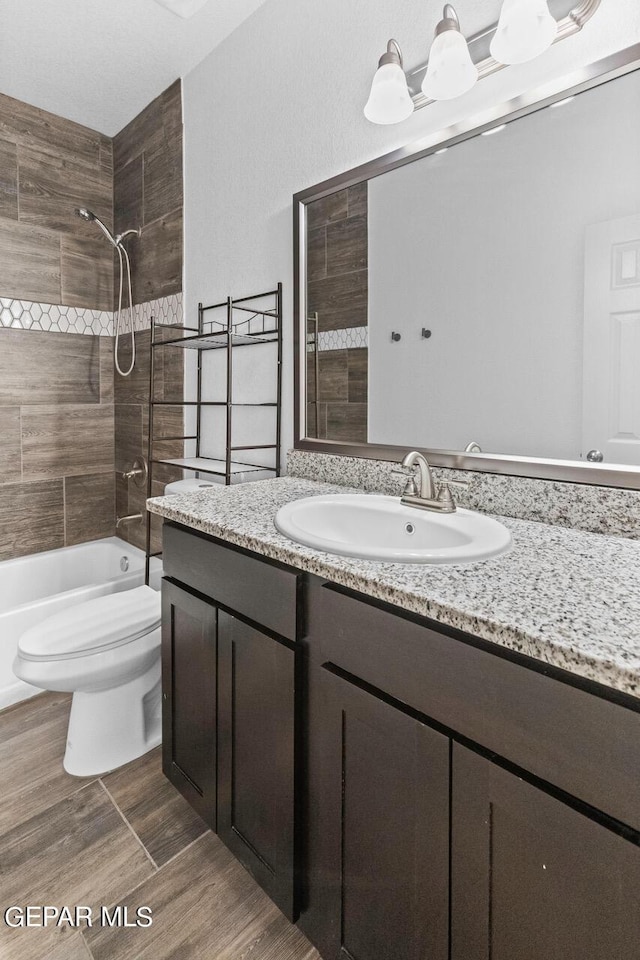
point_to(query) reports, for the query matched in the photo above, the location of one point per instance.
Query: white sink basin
(383, 528)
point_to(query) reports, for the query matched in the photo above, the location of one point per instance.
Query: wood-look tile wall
(57, 440)
(65, 427)
(132, 431)
(48, 167)
(337, 290)
(148, 193)
(340, 412)
(56, 389)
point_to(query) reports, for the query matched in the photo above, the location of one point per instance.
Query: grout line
(21, 453)
(142, 171)
(165, 216)
(64, 509)
(148, 855)
(99, 347)
(68, 796)
(336, 276)
(18, 151)
(129, 893)
(16, 824)
(84, 786)
(206, 831)
(86, 945)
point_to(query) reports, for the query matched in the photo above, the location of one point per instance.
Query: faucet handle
(445, 493)
(138, 472)
(460, 484)
(409, 474)
(445, 497)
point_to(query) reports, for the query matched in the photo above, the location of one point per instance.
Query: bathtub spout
(132, 518)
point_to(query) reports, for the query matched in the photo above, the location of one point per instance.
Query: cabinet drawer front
(580, 742)
(259, 589)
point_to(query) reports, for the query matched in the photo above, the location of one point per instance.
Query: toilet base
(108, 728)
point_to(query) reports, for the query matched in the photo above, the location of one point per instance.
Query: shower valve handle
(138, 472)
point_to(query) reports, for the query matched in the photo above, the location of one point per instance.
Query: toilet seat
(96, 626)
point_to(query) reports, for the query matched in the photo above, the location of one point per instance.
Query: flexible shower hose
(124, 373)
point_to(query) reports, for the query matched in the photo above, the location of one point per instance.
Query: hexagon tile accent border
(165, 310)
(347, 338)
(55, 318)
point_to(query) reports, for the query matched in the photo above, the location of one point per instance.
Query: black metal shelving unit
(233, 331)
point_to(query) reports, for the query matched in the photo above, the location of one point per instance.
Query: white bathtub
(35, 587)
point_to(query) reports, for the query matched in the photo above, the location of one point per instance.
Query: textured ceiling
(99, 62)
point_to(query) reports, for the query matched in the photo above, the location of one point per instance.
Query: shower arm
(128, 233)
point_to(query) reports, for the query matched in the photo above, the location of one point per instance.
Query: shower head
(89, 216)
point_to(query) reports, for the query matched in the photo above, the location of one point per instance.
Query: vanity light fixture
(450, 71)
(389, 100)
(526, 29)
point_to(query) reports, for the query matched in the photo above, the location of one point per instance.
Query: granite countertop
(568, 598)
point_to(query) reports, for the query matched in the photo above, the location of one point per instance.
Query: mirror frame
(617, 475)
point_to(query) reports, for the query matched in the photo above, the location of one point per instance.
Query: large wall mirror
(478, 297)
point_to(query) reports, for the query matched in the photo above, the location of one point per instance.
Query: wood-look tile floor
(125, 838)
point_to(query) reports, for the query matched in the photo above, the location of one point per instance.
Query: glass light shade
(450, 71)
(389, 100)
(525, 30)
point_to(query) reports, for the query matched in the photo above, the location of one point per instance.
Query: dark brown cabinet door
(386, 830)
(189, 698)
(256, 747)
(532, 878)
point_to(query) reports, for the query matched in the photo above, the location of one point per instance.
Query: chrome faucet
(427, 489)
(132, 518)
(427, 494)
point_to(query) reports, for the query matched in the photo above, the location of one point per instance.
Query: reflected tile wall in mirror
(337, 343)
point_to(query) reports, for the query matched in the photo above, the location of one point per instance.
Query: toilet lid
(93, 626)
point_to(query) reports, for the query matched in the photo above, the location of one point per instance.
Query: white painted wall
(101, 63)
(277, 107)
(485, 245)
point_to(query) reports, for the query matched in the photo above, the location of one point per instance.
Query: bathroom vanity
(230, 661)
(413, 762)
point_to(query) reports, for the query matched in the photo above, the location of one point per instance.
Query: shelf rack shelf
(210, 465)
(232, 324)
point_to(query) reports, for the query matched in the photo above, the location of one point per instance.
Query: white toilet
(107, 653)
